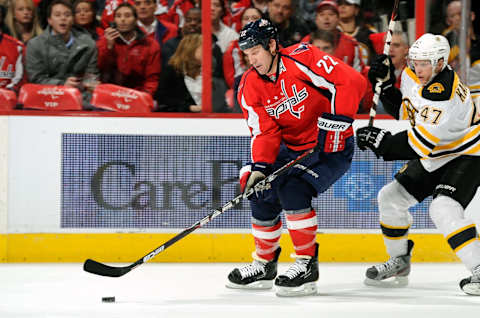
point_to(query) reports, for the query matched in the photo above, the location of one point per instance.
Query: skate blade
(258, 285)
(396, 282)
(304, 290)
(472, 289)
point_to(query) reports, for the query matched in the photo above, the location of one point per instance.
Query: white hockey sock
(461, 234)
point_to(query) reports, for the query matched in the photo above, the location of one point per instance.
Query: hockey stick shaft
(98, 268)
(386, 49)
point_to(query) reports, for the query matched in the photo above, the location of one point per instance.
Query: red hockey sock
(266, 239)
(303, 230)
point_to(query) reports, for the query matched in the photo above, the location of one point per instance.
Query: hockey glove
(382, 70)
(250, 175)
(373, 138)
(333, 132)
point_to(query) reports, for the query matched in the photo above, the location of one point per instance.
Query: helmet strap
(271, 63)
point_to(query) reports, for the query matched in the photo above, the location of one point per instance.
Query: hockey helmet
(429, 47)
(257, 32)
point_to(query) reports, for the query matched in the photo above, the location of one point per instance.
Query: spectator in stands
(398, 53)
(238, 8)
(453, 19)
(224, 34)
(22, 20)
(346, 47)
(308, 11)
(11, 61)
(234, 63)
(161, 31)
(62, 55)
(126, 55)
(180, 87)
(193, 25)
(351, 23)
(85, 18)
(177, 12)
(290, 28)
(324, 40)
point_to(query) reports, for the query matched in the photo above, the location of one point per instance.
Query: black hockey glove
(373, 138)
(382, 70)
(252, 174)
(333, 132)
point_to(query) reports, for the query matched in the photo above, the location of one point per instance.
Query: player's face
(61, 19)
(323, 45)
(125, 19)
(259, 58)
(398, 51)
(423, 70)
(326, 19)
(279, 11)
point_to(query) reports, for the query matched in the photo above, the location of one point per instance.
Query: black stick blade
(97, 268)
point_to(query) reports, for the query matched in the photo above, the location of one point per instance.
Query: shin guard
(266, 238)
(302, 226)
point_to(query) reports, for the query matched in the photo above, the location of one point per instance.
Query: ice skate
(301, 278)
(471, 285)
(391, 274)
(258, 275)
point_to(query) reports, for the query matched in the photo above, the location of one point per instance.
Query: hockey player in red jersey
(293, 99)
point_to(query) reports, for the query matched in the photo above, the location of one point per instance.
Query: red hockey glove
(333, 132)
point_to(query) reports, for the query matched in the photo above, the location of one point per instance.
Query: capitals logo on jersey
(287, 103)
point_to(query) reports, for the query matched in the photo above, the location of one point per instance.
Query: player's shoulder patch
(299, 48)
(441, 87)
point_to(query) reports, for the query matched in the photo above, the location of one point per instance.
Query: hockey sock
(266, 239)
(395, 239)
(395, 220)
(460, 233)
(302, 226)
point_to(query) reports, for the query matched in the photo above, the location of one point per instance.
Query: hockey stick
(386, 49)
(98, 268)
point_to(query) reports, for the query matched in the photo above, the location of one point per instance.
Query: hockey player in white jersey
(443, 149)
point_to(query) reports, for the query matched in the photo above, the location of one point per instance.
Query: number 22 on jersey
(327, 63)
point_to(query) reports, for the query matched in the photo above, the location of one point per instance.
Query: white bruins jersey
(445, 121)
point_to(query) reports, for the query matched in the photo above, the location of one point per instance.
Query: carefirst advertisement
(170, 182)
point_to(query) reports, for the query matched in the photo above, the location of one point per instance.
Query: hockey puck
(108, 299)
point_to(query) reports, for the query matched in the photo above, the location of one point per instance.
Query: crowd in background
(156, 47)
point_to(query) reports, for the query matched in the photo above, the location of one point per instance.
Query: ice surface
(198, 290)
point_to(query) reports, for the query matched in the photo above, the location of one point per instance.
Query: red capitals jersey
(309, 82)
(12, 73)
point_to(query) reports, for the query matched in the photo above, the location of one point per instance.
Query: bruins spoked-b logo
(411, 110)
(436, 88)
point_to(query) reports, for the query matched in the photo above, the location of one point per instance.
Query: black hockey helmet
(257, 32)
